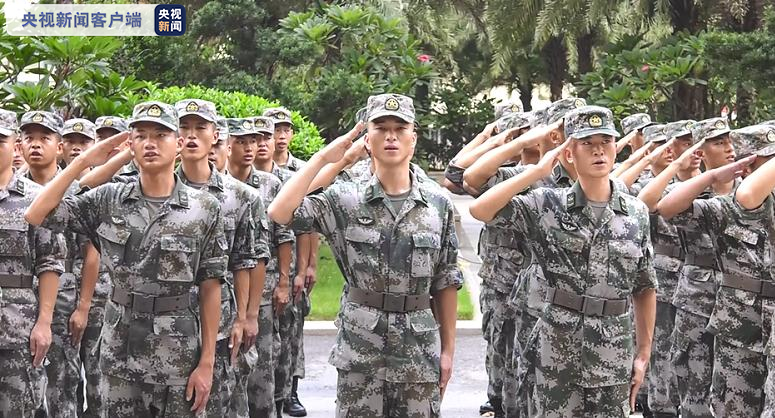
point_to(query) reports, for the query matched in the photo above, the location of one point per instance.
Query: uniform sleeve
(705, 215)
(454, 174)
(50, 251)
(261, 231)
(213, 257)
(79, 213)
(647, 276)
(447, 273)
(503, 174)
(521, 213)
(316, 213)
(243, 249)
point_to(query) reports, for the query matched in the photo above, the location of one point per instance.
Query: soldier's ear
(568, 155)
(366, 143)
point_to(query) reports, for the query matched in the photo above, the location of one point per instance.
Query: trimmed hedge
(306, 138)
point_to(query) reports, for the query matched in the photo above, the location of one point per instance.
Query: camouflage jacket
(294, 164)
(25, 250)
(268, 186)
(743, 240)
(361, 171)
(414, 253)
(700, 274)
(610, 258)
(246, 238)
(183, 245)
(454, 174)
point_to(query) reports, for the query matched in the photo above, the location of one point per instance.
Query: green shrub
(306, 138)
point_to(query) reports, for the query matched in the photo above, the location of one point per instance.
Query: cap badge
(154, 111)
(391, 104)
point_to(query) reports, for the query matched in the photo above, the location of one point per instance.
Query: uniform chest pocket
(229, 228)
(568, 253)
(624, 256)
(363, 248)
(14, 241)
(177, 258)
(113, 240)
(742, 234)
(425, 251)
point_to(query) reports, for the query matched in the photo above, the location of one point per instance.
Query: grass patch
(328, 289)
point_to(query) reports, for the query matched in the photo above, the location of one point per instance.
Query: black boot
(485, 408)
(293, 407)
(278, 407)
(497, 407)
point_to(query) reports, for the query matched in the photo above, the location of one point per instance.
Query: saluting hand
(732, 171)
(102, 151)
(335, 151)
(547, 162)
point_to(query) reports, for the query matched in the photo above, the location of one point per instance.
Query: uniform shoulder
(634, 205)
(204, 198)
(240, 189)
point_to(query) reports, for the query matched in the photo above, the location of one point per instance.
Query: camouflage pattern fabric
(678, 129)
(691, 354)
(27, 251)
(741, 320)
(635, 122)
(617, 265)
(293, 164)
(586, 121)
(260, 382)
(279, 115)
(79, 126)
(89, 354)
(361, 395)
(507, 107)
(9, 124)
(357, 223)
(112, 122)
(126, 398)
(709, 129)
(49, 120)
(558, 109)
(390, 104)
(757, 139)
(183, 245)
(156, 112)
(661, 379)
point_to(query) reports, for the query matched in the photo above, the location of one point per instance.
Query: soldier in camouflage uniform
(304, 278)
(507, 107)
(398, 237)
(219, 153)
(694, 297)
(245, 228)
(41, 136)
(287, 319)
(30, 260)
(275, 296)
(159, 239)
(741, 228)
(595, 256)
(108, 126)
(658, 158)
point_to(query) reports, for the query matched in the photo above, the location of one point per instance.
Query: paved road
(466, 391)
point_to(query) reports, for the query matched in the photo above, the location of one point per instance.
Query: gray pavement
(467, 388)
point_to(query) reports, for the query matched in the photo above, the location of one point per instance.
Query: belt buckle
(142, 303)
(393, 303)
(593, 306)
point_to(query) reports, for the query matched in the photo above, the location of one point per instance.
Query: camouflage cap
(264, 125)
(112, 122)
(654, 133)
(48, 120)
(9, 124)
(241, 126)
(519, 120)
(223, 128)
(80, 126)
(539, 118)
(156, 112)
(201, 108)
(558, 109)
(589, 120)
(507, 107)
(279, 115)
(635, 122)
(360, 115)
(396, 105)
(679, 129)
(756, 139)
(709, 128)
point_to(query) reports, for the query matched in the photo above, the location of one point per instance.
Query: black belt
(69, 265)
(587, 305)
(150, 304)
(388, 302)
(668, 250)
(761, 287)
(702, 261)
(22, 281)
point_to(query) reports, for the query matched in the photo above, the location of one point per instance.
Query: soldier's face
(265, 148)
(73, 145)
(592, 156)
(664, 159)
(198, 135)
(154, 146)
(18, 158)
(40, 146)
(718, 152)
(219, 155)
(283, 135)
(391, 140)
(243, 149)
(680, 145)
(7, 145)
(105, 133)
(531, 155)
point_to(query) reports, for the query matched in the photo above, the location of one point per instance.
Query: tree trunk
(525, 93)
(584, 46)
(556, 60)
